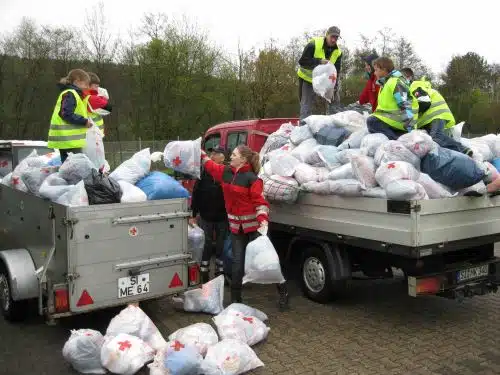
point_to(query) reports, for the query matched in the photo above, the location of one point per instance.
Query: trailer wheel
(315, 278)
(12, 311)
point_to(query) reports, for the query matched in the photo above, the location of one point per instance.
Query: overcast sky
(439, 28)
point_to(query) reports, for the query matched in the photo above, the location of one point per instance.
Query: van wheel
(315, 275)
(12, 311)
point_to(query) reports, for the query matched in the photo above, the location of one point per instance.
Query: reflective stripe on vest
(387, 108)
(438, 109)
(319, 53)
(63, 135)
(96, 117)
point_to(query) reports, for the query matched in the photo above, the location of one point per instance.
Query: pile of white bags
(369, 165)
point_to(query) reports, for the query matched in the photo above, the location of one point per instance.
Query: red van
(228, 135)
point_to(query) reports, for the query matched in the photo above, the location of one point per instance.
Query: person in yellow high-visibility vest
(70, 118)
(319, 50)
(397, 110)
(434, 115)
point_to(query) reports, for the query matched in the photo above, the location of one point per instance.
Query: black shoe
(283, 297)
(205, 278)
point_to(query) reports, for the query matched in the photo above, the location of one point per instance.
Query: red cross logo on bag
(177, 161)
(177, 346)
(124, 345)
(391, 165)
(249, 320)
(332, 78)
(15, 180)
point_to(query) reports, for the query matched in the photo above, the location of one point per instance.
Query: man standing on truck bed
(208, 201)
(319, 50)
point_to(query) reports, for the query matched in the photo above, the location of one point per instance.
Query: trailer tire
(13, 311)
(315, 277)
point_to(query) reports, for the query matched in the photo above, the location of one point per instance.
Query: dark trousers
(220, 230)
(239, 243)
(64, 153)
(375, 125)
(436, 131)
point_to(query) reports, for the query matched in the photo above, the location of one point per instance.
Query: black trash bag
(102, 189)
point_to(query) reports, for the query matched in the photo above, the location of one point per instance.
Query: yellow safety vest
(62, 134)
(387, 108)
(97, 118)
(319, 53)
(439, 108)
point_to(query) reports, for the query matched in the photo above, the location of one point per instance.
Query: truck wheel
(315, 275)
(11, 310)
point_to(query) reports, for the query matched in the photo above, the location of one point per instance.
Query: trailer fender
(21, 269)
(338, 258)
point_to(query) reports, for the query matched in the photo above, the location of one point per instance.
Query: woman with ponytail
(246, 207)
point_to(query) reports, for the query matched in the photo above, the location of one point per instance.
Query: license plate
(133, 285)
(473, 273)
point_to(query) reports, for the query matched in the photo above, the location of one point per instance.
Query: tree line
(167, 80)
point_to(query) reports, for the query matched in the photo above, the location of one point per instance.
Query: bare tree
(386, 39)
(103, 46)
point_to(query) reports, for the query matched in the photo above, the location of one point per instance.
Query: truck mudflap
(458, 282)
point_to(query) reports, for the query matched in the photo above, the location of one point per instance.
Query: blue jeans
(375, 125)
(436, 131)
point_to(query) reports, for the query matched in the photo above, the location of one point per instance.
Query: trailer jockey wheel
(11, 310)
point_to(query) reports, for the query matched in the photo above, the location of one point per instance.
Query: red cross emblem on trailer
(133, 232)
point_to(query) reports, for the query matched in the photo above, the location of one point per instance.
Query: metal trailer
(444, 246)
(74, 260)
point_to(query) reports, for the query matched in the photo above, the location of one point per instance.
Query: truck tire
(13, 311)
(315, 275)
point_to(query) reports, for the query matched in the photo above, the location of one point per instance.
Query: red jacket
(243, 195)
(370, 92)
(95, 101)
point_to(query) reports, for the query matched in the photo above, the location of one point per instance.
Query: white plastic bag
(133, 169)
(302, 151)
(316, 122)
(283, 164)
(245, 310)
(363, 169)
(321, 188)
(300, 134)
(350, 120)
(76, 196)
(285, 130)
(54, 186)
(479, 148)
(262, 264)
(247, 329)
(230, 357)
(456, 131)
(131, 193)
(343, 172)
(184, 157)
(176, 359)
(324, 78)
(156, 156)
(434, 189)
(305, 173)
(7, 180)
(34, 177)
(94, 147)
(354, 140)
(125, 354)
(76, 168)
(133, 321)
(196, 242)
(418, 142)
(344, 156)
(321, 173)
(345, 187)
(31, 161)
(395, 170)
(200, 335)
(396, 151)
(267, 169)
(376, 192)
(372, 142)
(208, 299)
(405, 190)
(83, 351)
